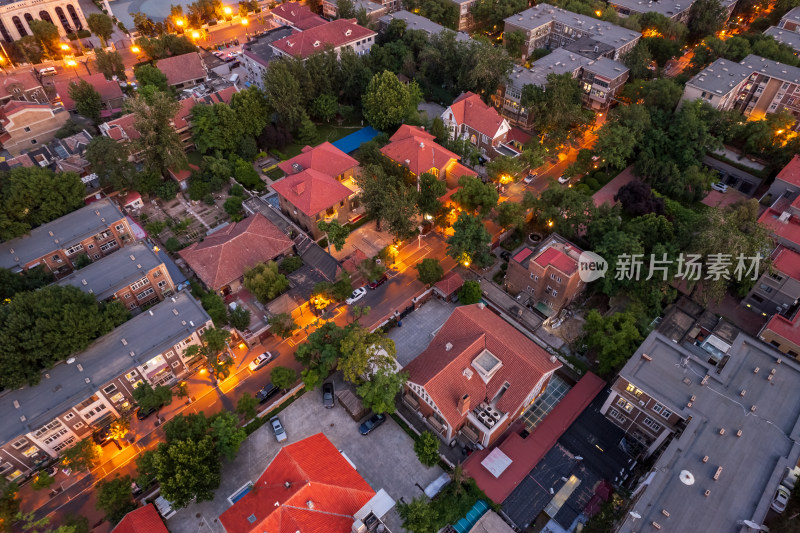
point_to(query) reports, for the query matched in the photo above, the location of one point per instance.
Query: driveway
(384, 458)
(418, 329)
(367, 239)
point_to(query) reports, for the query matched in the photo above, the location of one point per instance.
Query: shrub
(470, 293)
(427, 448)
(290, 264)
(172, 245)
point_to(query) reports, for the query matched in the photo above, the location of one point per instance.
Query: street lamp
(195, 35)
(179, 23)
(72, 63)
(135, 49)
(228, 12)
(65, 47)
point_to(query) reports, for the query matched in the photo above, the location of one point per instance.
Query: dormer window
(316, 44)
(487, 365)
(347, 33)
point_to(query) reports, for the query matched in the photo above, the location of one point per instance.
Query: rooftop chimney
(310, 504)
(463, 405)
(448, 346)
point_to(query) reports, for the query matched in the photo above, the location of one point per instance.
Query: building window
(652, 424)
(110, 389)
(162, 284)
(157, 274)
(616, 415)
(658, 408)
(633, 390)
(74, 249)
(30, 452)
(69, 416)
(26, 129)
(79, 425)
(176, 364)
(20, 443)
(625, 405)
(139, 284)
(119, 227)
(555, 293)
(535, 278)
(108, 246)
(91, 247)
(666, 413)
(33, 141)
(131, 376)
(95, 256)
(127, 295)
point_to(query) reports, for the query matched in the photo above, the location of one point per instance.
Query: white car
(563, 179)
(261, 361)
(530, 177)
(719, 186)
(356, 296)
(782, 496)
(277, 429)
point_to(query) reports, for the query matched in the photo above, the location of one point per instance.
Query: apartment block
(258, 53)
(374, 10)
(338, 34)
(418, 22)
(791, 20)
(95, 230)
(26, 125)
(22, 86)
(137, 278)
(677, 10)
(81, 395)
(465, 20)
(778, 288)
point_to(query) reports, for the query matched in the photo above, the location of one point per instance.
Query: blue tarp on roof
(478, 510)
(353, 141)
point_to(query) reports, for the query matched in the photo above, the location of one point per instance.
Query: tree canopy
(265, 281)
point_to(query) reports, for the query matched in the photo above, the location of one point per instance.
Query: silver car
(277, 429)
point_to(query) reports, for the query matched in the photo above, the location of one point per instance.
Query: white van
(235, 79)
(48, 71)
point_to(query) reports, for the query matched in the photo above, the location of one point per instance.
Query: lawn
(325, 132)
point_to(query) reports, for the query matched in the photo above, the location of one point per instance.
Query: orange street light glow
(598, 12)
(227, 10)
(65, 46)
(135, 49)
(245, 22)
(203, 371)
(195, 35)
(71, 63)
(179, 23)
(242, 346)
(549, 223)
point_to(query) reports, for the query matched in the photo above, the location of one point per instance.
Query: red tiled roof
(143, 520)
(25, 79)
(311, 191)
(107, 89)
(123, 124)
(15, 106)
(183, 174)
(526, 453)
(222, 257)
(789, 230)
(791, 172)
(418, 148)
(351, 262)
(316, 473)
(516, 134)
(325, 158)
(336, 33)
(450, 283)
(448, 196)
(470, 330)
(788, 329)
(131, 197)
(522, 255)
(182, 68)
(184, 113)
(469, 109)
(786, 261)
(298, 15)
(555, 257)
(456, 170)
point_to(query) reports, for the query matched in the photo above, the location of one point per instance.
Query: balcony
(436, 425)
(351, 184)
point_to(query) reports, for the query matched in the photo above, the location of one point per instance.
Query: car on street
(371, 423)
(356, 296)
(530, 177)
(141, 414)
(48, 71)
(719, 186)
(261, 361)
(780, 500)
(505, 255)
(378, 282)
(563, 179)
(277, 429)
(267, 392)
(327, 395)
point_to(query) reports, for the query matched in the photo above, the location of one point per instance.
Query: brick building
(337, 34)
(26, 125)
(468, 117)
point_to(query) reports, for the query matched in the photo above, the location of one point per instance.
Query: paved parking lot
(385, 459)
(418, 327)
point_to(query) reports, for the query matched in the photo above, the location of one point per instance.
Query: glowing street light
(179, 23)
(135, 49)
(65, 47)
(227, 10)
(71, 63)
(195, 35)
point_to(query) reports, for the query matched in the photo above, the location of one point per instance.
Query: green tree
(215, 307)
(612, 338)
(265, 282)
(247, 406)
(515, 43)
(110, 64)
(82, 456)
(470, 240)
(9, 504)
(12, 283)
(503, 166)
(476, 196)
(245, 174)
(430, 190)
(307, 132)
(427, 448)
(228, 436)
(320, 353)
(101, 25)
(429, 271)
(325, 107)
(418, 515)
(557, 107)
(148, 75)
(380, 391)
(109, 160)
(470, 293)
(346, 9)
(215, 128)
(638, 60)
(364, 353)
(282, 325)
(386, 102)
(46, 34)
(252, 110)
(149, 398)
(158, 144)
(239, 318)
(114, 498)
(510, 215)
(706, 17)
(42, 480)
(335, 233)
(283, 377)
(284, 94)
(565, 210)
(233, 206)
(88, 102)
(187, 470)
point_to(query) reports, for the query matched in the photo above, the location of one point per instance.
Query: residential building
(142, 520)
(784, 36)
(777, 291)
(309, 482)
(468, 117)
(756, 86)
(137, 278)
(782, 218)
(418, 22)
(548, 275)
(787, 182)
(791, 20)
(783, 332)
(416, 149)
(546, 26)
(447, 288)
(95, 386)
(220, 260)
(296, 15)
(109, 91)
(710, 406)
(465, 20)
(320, 187)
(97, 230)
(60, 155)
(24, 125)
(258, 53)
(23, 85)
(677, 10)
(374, 10)
(337, 34)
(476, 376)
(15, 16)
(183, 71)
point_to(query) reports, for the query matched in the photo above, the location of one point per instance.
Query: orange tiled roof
(311, 191)
(182, 68)
(325, 158)
(791, 172)
(222, 257)
(324, 493)
(417, 150)
(25, 79)
(15, 106)
(298, 15)
(336, 33)
(470, 330)
(554, 257)
(450, 283)
(107, 89)
(469, 109)
(143, 520)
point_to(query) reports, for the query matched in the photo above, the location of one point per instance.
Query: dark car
(267, 392)
(378, 282)
(327, 395)
(141, 414)
(371, 423)
(505, 255)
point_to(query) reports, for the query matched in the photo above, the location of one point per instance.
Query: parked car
(52, 470)
(371, 423)
(267, 392)
(141, 414)
(261, 361)
(277, 429)
(48, 71)
(378, 282)
(530, 177)
(356, 296)
(781, 499)
(505, 255)
(719, 186)
(563, 180)
(327, 395)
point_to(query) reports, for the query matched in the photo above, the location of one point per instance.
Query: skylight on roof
(486, 364)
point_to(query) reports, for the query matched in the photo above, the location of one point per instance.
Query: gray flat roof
(771, 68)
(66, 231)
(520, 77)
(752, 465)
(368, 5)
(260, 50)
(793, 15)
(607, 68)
(786, 37)
(418, 22)
(64, 386)
(668, 8)
(720, 77)
(107, 275)
(605, 32)
(558, 61)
